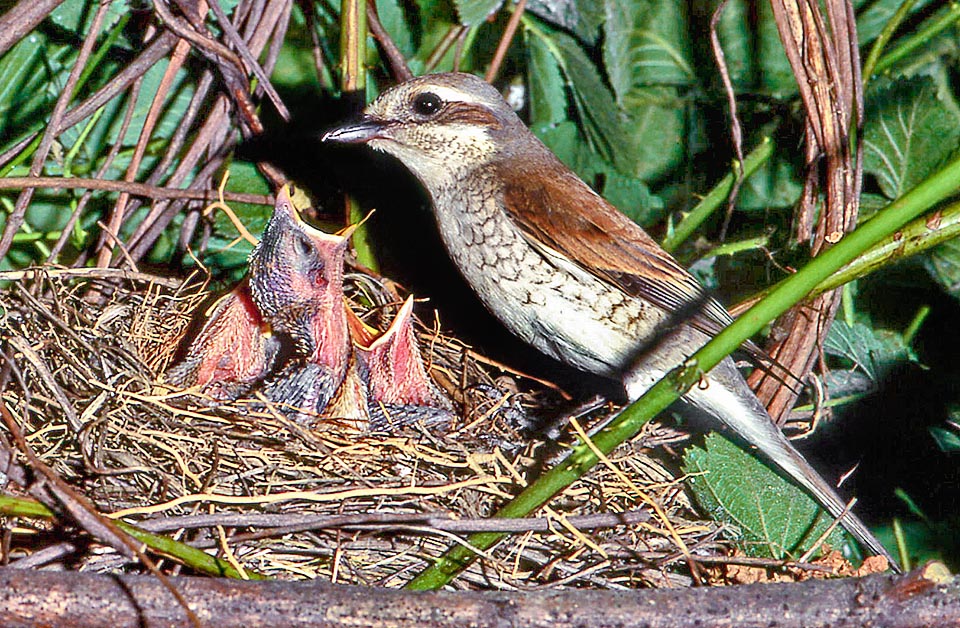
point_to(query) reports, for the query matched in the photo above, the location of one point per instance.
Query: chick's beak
(360, 132)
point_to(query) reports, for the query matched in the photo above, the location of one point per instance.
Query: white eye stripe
(447, 94)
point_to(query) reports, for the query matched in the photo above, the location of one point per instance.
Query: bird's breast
(571, 316)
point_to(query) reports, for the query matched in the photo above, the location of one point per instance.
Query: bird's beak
(360, 132)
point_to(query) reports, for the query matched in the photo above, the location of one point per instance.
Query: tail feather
(739, 409)
(728, 398)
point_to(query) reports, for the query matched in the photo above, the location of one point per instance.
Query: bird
(296, 281)
(400, 390)
(234, 350)
(561, 267)
(346, 370)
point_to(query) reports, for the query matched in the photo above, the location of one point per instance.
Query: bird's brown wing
(554, 208)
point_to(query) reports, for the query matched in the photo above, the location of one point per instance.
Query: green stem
(189, 556)
(911, 331)
(353, 55)
(884, 38)
(716, 196)
(920, 38)
(629, 422)
(919, 235)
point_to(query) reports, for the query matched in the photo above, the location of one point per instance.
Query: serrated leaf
(632, 197)
(601, 120)
(645, 44)
(654, 131)
(872, 351)
(908, 133)
(845, 382)
(774, 184)
(774, 517)
(473, 12)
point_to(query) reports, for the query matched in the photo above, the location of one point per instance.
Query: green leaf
(601, 121)
(737, 39)
(395, 22)
(245, 178)
(874, 18)
(872, 351)
(774, 517)
(947, 440)
(646, 43)
(581, 17)
(908, 133)
(632, 196)
(473, 12)
(775, 73)
(943, 264)
(548, 95)
(774, 184)
(654, 131)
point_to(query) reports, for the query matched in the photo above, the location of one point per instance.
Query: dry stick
(274, 19)
(179, 137)
(169, 210)
(277, 37)
(736, 131)
(321, 67)
(90, 273)
(925, 597)
(233, 37)
(827, 100)
(132, 188)
(55, 494)
(153, 114)
(398, 65)
(16, 217)
(19, 20)
(448, 40)
(505, 41)
(155, 51)
(230, 66)
(107, 162)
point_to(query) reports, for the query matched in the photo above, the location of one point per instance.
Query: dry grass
(245, 483)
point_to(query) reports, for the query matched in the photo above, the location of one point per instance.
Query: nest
(85, 353)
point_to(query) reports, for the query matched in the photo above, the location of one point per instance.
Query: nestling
(346, 370)
(235, 349)
(558, 265)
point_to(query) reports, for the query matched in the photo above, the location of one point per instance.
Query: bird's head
(296, 272)
(436, 124)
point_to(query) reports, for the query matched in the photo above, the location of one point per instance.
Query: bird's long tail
(731, 401)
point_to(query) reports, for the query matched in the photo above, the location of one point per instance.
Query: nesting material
(250, 485)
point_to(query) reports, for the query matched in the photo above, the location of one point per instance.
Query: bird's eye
(301, 246)
(427, 104)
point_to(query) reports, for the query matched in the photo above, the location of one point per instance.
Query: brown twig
(21, 18)
(736, 130)
(115, 219)
(16, 217)
(505, 41)
(136, 189)
(826, 65)
(398, 65)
